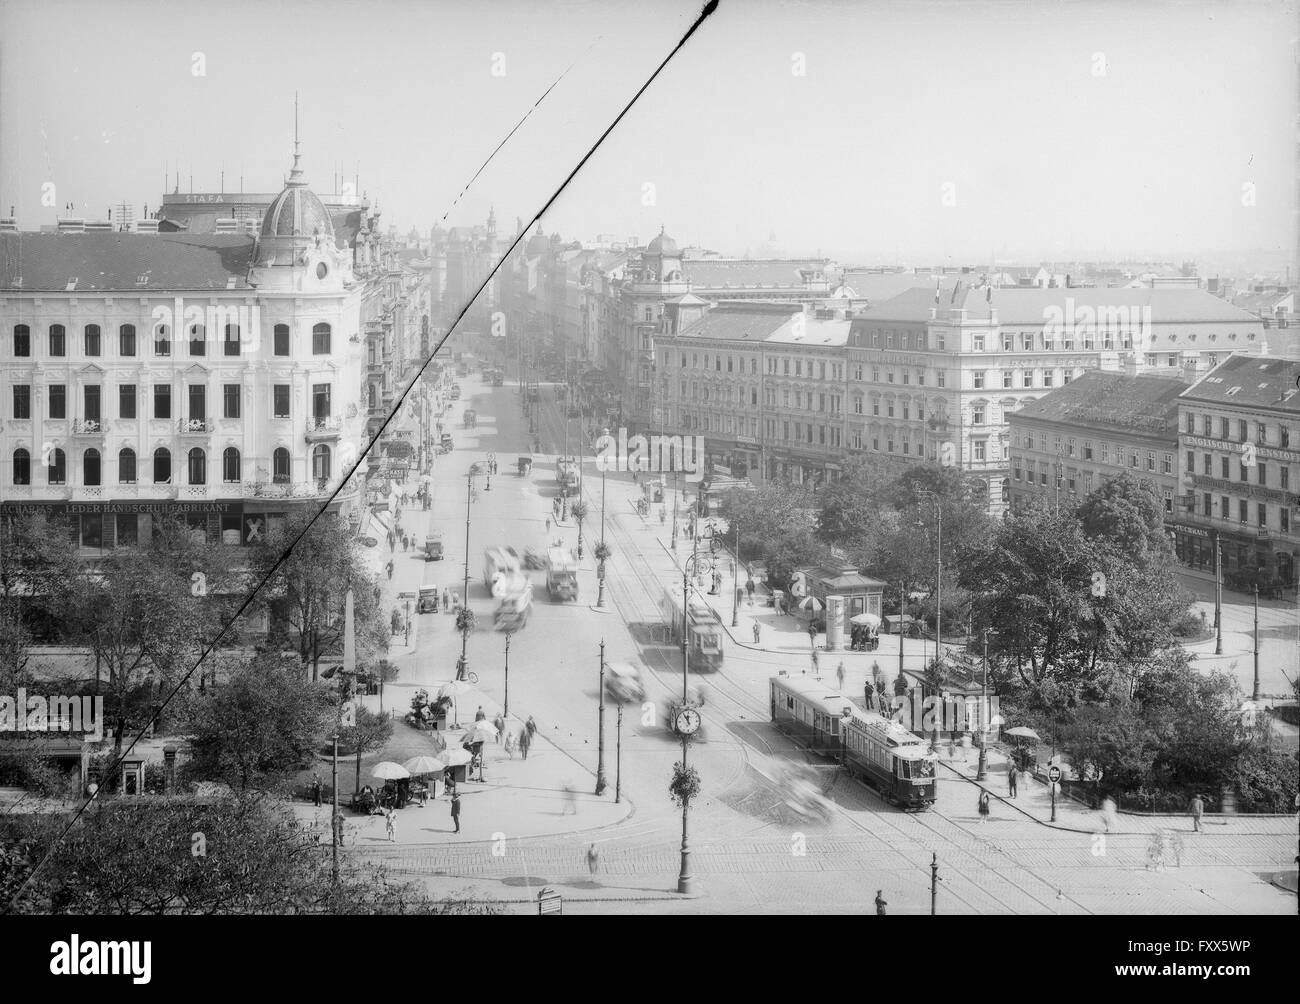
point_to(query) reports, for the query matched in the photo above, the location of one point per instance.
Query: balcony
(324, 427)
(88, 427)
(192, 492)
(195, 426)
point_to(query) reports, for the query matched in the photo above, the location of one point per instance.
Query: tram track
(951, 835)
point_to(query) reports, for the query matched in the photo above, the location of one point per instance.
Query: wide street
(751, 850)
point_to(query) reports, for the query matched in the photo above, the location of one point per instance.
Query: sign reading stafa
(109, 508)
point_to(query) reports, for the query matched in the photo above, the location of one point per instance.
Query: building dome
(662, 245)
(537, 244)
(297, 212)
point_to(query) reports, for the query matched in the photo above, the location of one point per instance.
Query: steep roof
(1261, 381)
(118, 262)
(1144, 403)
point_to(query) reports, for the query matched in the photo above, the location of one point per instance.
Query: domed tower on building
(662, 260)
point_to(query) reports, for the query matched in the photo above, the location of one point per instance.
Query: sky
(871, 131)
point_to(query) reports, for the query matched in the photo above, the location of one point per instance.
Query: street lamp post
(334, 813)
(674, 543)
(600, 581)
(689, 567)
(464, 596)
(1254, 694)
(600, 733)
(982, 771)
(618, 757)
(505, 704)
(938, 587)
(735, 585)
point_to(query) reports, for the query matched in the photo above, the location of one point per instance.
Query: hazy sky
(1004, 109)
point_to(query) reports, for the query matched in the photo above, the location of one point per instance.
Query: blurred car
(369, 542)
(623, 683)
(802, 794)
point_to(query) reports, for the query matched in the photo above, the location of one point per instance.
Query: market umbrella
(1023, 732)
(454, 757)
(389, 771)
(869, 619)
(810, 603)
(480, 732)
(453, 690)
(424, 765)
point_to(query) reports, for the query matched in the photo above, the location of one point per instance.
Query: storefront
(102, 525)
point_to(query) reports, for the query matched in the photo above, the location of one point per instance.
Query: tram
(877, 750)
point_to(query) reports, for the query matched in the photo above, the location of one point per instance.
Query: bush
(1265, 781)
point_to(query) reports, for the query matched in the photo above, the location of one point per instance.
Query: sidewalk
(1034, 801)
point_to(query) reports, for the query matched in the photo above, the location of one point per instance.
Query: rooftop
(1142, 403)
(1259, 381)
(769, 322)
(750, 273)
(118, 262)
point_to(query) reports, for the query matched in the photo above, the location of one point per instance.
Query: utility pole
(982, 772)
(464, 596)
(600, 595)
(934, 882)
(618, 757)
(902, 604)
(735, 585)
(1218, 595)
(335, 835)
(600, 734)
(1254, 694)
(505, 709)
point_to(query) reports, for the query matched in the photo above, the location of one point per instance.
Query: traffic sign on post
(1053, 774)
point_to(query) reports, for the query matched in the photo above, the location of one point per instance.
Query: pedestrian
(392, 540)
(316, 788)
(1108, 813)
(548, 524)
(389, 569)
(749, 589)
(477, 764)
(510, 745)
(531, 726)
(480, 715)
(525, 741)
(593, 860)
(984, 806)
(455, 808)
(880, 902)
(839, 674)
(663, 515)
(406, 541)
(390, 820)
(815, 661)
(1012, 775)
(757, 632)
(446, 599)
(1198, 808)
(570, 800)
(500, 724)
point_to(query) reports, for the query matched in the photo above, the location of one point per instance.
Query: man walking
(880, 902)
(455, 809)
(500, 724)
(316, 789)
(839, 675)
(390, 819)
(757, 632)
(1012, 775)
(593, 860)
(525, 740)
(1198, 808)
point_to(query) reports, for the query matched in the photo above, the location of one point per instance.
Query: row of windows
(1132, 457)
(1241, 426)
(92, 410)
(92, 343)
(1243, 470)
(56, 471)
(1222, 509)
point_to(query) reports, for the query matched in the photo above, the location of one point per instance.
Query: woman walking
(984, 806)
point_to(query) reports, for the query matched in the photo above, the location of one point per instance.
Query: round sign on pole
(1053, 774)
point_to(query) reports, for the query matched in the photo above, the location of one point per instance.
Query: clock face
(322, 270)
(688, 721)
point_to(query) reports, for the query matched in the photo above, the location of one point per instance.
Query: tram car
(875, 749)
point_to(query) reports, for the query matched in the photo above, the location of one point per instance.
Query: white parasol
(389, 771)
(870, 620)
(454, 757)
(810, 603)
(480, 732)
(423, 765)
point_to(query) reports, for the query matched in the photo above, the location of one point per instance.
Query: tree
(260, 725)
(369, 732)
(1130, 514)
(235, 856)
(306, 592)
(144, 613)
(38, 562)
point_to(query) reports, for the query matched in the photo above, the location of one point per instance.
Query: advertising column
(834, 623)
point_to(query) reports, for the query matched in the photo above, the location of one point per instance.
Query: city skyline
(777, 152)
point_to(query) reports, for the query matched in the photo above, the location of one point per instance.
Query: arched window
(22, 340)
(320, 339)
(198, 467)
(90, 468)
(22, 467)
(231, 344)
(92, 339)
(58, 340)
(320, 462)
(57, 472)
(281, 339)
(230, 464)
(198, 345)
(126, 340)
(126, 466)
(280, 466)
(162, 342)
(162, 466)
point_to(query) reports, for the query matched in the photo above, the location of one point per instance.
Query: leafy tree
(261, 724)
(234, 856)
(1129, 513)
(38, 562)
(145, 616)
(368, 733)
(307, 591)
